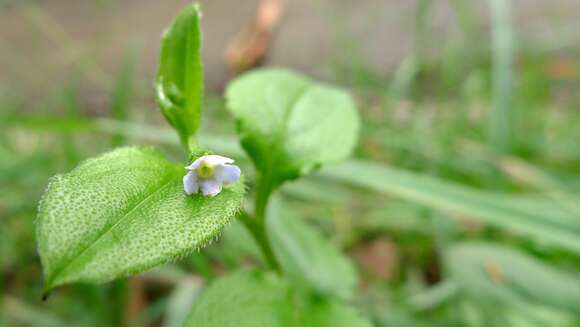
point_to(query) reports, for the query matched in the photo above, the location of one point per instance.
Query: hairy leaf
(180, 75)
(122, 213)
(307, 258)
(262, 299)
(290, 125)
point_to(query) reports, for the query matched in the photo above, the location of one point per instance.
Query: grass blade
(502, 61)
(496, 209)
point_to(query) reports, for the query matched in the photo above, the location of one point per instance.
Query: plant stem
(258, 231)
(263, 191)
(257, 224)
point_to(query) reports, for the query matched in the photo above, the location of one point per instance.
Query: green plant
(130, 209)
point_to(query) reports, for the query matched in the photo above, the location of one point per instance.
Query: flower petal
(190, 183)
(196, 163)
(210, 187)
(212, 159)
(227, 173)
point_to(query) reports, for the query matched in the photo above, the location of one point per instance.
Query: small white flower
(208, 173)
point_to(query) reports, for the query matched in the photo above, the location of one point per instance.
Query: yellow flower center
(205, 170)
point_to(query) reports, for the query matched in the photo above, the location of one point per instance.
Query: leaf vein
(68, 263)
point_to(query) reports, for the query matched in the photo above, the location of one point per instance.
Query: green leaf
(541, 220)
(122, 213)
(307, 258)
(237, 241)
(19, 312)
(262, 299)
(180, 75)
(290, 125)
(249, 298)
(180, 300)
(322, 312)
(500, 273)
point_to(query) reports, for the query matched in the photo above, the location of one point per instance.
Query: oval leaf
(290, 125)
(262, 299)
(122, 213)
(180, 75)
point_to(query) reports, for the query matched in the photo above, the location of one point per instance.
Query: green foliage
(540, 219)
(491, 272)
(255, 298)
(329, 313)
(452, 150)
(123, 91)
(250, 298)
(122, 213)
(307, 258)
(290, 125)
(501, 119)
(180, 75)
(180, 301)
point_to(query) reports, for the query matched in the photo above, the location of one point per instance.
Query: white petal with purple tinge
(190, 183)
(210, 187)
(227, 173)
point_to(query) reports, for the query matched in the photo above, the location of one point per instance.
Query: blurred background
(468, 214)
